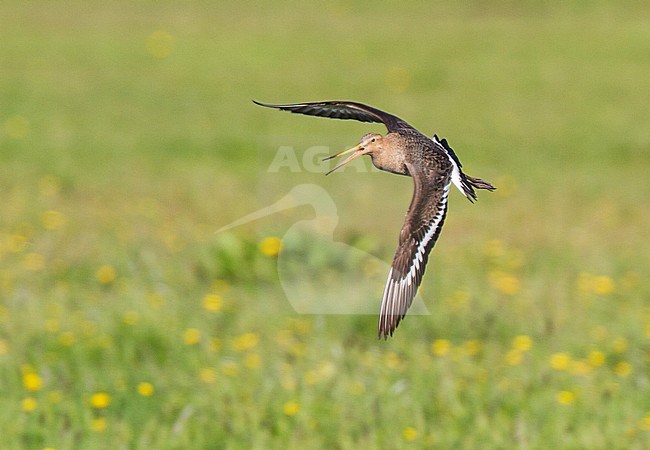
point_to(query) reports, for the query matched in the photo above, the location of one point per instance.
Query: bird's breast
(390, 162)
(393, 163)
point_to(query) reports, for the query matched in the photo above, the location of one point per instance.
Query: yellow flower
(16, 242)
(291, 408)
(212, 302)
(100, 400)
(252, 361)
(560, 361)
(392, 360)
(284, 338)
(230, 369)
(596, 284)
(504, 384)
(522, 343)
(52, 220)
(29, 404)
(106, 274)
(208, 375)
(311, 377)
(33, 261)
(644, 423)
(459, 300)
(596, 358)
(191, 336)
(214, 344)
(440, 347)
(155, 300)
(471, 347)
(579, 368)
(327, 370)
(221, 286)
(271, 246)
(32, 382)
(494, 248)
(67, 338)
(131, 317)
(145, 389)
(514, 357)
(623, 369)
(603, 285)
(298, 349)
(565, 397)
(302, 326)
(245, 341)
(410, 434)
(505, 283)
(104, 341)
(98, 424)
(357, 388)
(52, 325)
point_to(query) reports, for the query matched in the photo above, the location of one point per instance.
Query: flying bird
(434, 167)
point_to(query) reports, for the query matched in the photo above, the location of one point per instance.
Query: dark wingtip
(382, 333)
(390, 329)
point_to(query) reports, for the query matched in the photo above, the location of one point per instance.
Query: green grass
(123, 151)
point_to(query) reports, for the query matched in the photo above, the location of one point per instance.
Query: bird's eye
(372, 140)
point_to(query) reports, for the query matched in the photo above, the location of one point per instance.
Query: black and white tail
(464, 183)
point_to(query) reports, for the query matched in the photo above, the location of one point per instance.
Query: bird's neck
(391, 157)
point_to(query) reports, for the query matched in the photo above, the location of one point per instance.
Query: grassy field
(127, 138)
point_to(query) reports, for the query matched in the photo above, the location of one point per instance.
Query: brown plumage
(432, 164)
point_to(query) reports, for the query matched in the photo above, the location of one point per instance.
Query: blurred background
(128, 138)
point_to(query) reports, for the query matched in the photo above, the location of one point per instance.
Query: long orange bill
(357, 151)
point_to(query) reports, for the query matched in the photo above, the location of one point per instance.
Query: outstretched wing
(421, 229)
(344, 110)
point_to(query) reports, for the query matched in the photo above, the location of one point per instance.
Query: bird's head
(371, 142)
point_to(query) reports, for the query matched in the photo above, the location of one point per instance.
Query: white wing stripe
(455, 171)
(419, 253)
